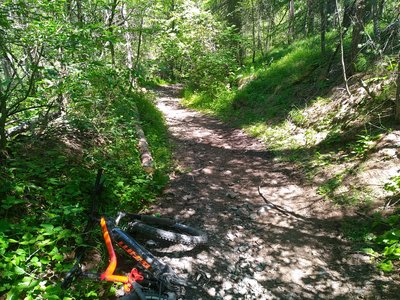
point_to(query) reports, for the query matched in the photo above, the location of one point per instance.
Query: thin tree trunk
(310, 17)
(172, 63)
(3, 106)
(348, 14)
(322, 12)
(68, 4)
(270, 25)
(291, 22)
(110, 29)
(375, 18)
(342, 49)
(139, 43)
(253, 31)
(79, 12)
(173, 24)
(3, 119)
(234, 18)
(260, 30)
(330, 10)
(128, 44)
(356, 34)
(397, 112)
(381, 5)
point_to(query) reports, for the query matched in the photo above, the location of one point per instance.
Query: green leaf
(10, 201)
(19, 270)
(45, 242)
(13, 294)
(47, 227)
(386, 266)
(20, 251)
(91, 294)
(28, 282)
(52, 292)
(369, 251)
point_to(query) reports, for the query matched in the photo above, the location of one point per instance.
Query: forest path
(290, 249)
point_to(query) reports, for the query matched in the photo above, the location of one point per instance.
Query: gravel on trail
(270, 235)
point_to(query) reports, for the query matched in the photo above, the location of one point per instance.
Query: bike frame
(108, 274)
(161, 277)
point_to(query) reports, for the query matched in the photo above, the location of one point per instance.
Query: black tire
(148, 296)
(176, 233)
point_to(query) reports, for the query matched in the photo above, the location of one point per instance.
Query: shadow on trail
(286, 246)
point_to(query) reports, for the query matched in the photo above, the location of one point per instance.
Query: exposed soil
(286, 246)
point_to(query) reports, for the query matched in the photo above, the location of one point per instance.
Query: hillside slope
(346, 145)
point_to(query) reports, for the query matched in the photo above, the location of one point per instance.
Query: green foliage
(362, 63)
(330, 185)
(281, 83)
(393, 185)
(44, 200)
(385, 234)
(297, 117)
(51, 195)
(365, 142)
(194, 47)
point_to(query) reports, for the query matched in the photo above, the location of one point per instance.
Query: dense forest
(317, 81)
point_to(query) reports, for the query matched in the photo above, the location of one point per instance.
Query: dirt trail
(287, 248)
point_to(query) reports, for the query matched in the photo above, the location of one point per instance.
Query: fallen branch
(145, 154)
(281, 209)
(25, 126)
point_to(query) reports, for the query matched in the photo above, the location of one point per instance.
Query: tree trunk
(381, 5)
(270, 26)
(110, 22)
(330, 9)
(253, 31)
(171, 62)
(322, 12)
(173, 24)
(260, 30)
(397, 112)
(3, 119)
(342, 48)
(79, 14)
(375, 18)
(128, 44)
(3, 105)
(291, 22)
(62, 98)
(356, 34)
(348, 14)
(234, 18)
(139, 43)
(310, 17)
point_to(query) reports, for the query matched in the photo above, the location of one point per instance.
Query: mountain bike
(149, 278)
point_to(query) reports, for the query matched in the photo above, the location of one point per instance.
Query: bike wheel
(148, 296)
(176, 233)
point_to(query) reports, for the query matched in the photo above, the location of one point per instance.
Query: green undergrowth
(283, 79)
(303, 115)
(47, 180)
(377, 236)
